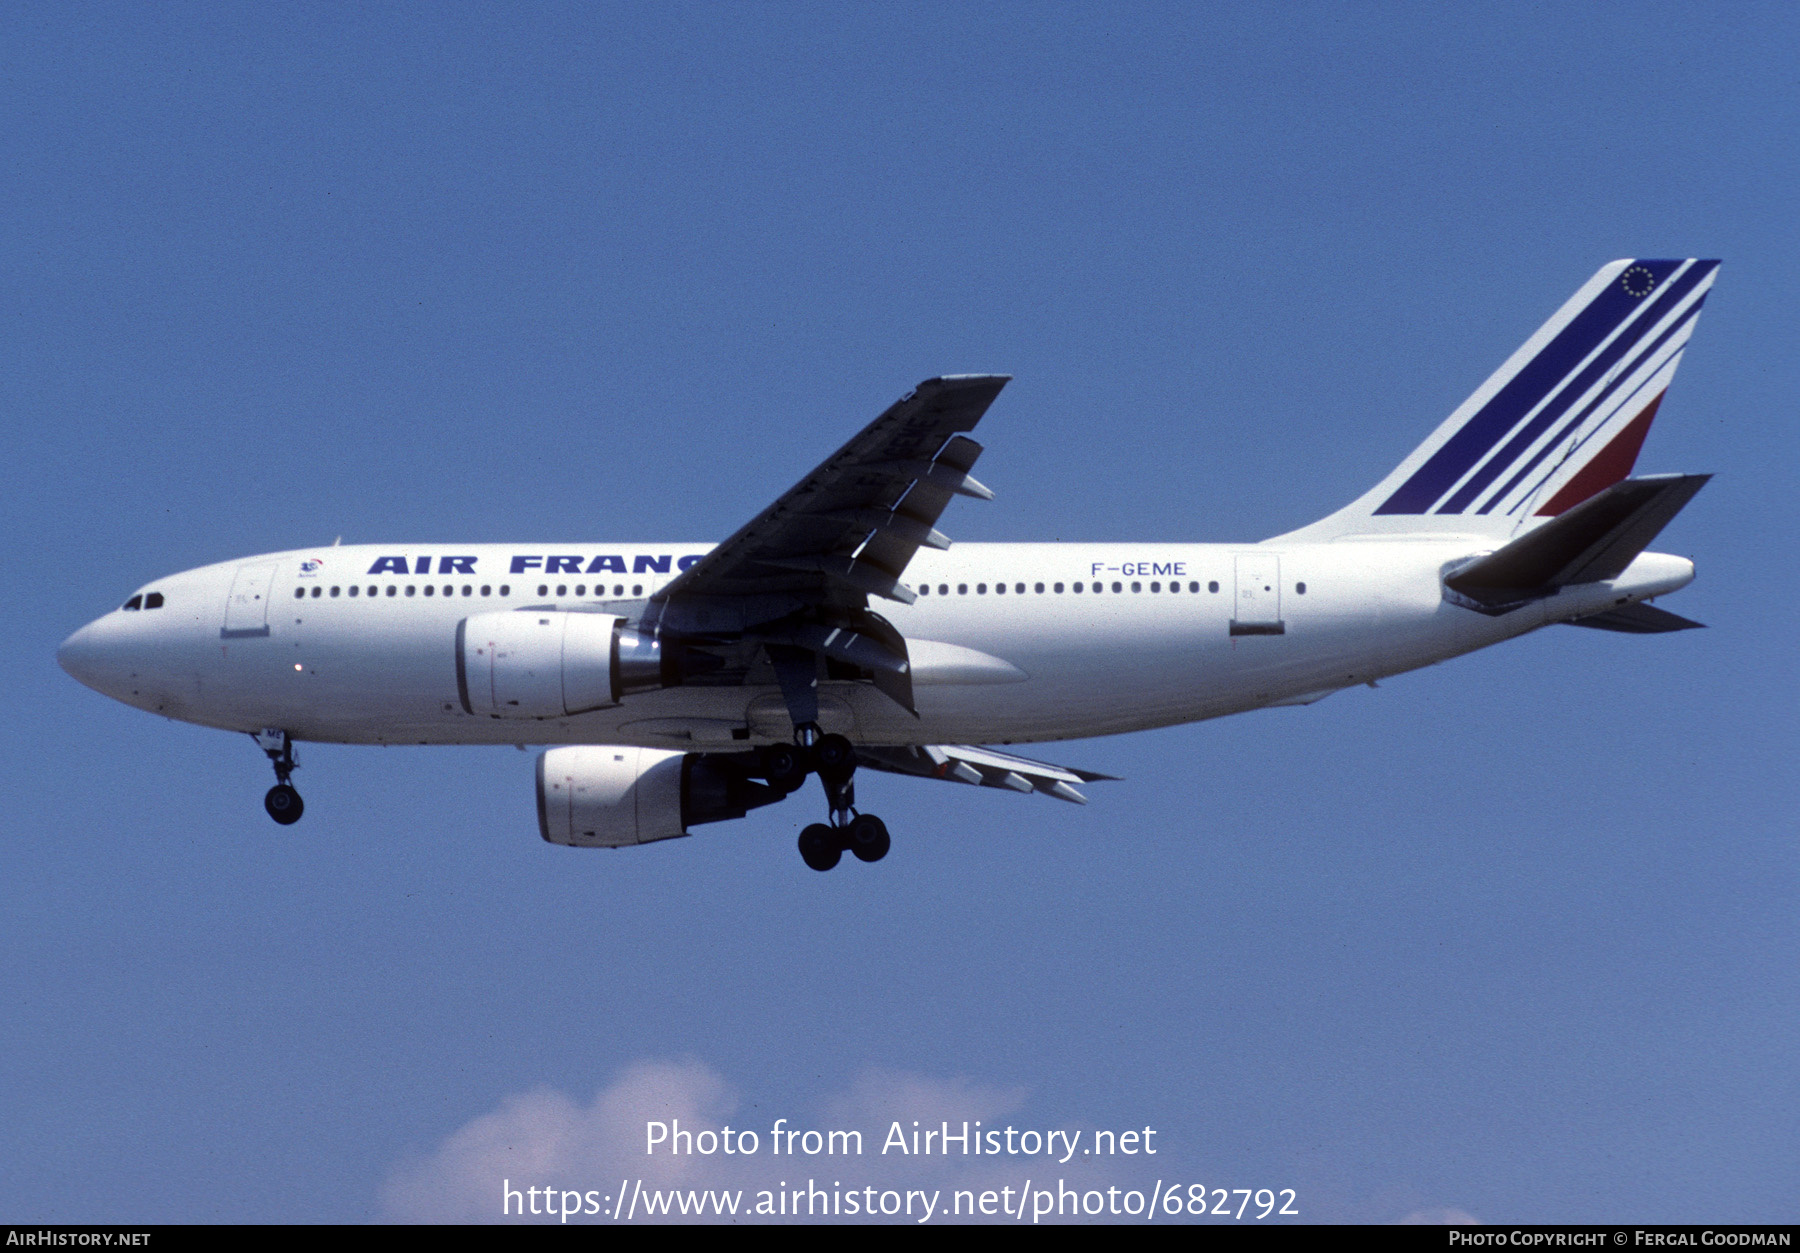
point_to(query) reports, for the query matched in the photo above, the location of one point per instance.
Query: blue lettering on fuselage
(1140, 569)
(643, 563)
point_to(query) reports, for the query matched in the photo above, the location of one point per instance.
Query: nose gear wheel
(282, 801)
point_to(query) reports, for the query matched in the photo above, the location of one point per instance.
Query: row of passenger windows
(393, 589)
(962, 589)
(153, 600)
(430, 589)
(562, 589)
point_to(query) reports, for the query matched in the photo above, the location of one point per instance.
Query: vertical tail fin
(1562, 420)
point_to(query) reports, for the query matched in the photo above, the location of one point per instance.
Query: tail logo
(1590, 369)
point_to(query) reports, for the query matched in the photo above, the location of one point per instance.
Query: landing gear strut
(833, 759)
(282, 802)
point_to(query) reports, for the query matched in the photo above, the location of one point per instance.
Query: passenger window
(1058, 587)
(467, 590)
(316, 590)
(355, 590)
(298, 593)
(392, 590)
(1076, 588)
(1300, 588)
(543, 589)
(373, 590)
(1155, 587)
(924, 589)
(486, 588)
(1136, 587)
(1213, 586)
(334, 591)
(943, 589)
(618, 589)
(136, 602)
(430, 590)
(637, 589)
(581, 589)
(562, 589)
(1118, 587)
(1040, 589)
(410, 589)
(962, 589)
(999, 589)
(506, 589)
(981, 589)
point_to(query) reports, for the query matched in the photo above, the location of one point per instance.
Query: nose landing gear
(282, 802)
(833, 759)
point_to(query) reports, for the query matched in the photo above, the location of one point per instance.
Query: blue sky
(1513, 937)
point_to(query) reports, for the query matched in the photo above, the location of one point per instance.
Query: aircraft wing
(793, 584)
(847, 530)
(983, 767)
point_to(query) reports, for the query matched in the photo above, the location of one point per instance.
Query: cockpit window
(136, 602)
(153, 601)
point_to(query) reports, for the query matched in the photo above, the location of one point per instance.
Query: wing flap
(982, 767)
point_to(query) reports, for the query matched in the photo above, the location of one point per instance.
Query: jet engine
(613, 796)
(547, 663)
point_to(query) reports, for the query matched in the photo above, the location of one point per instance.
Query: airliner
(683, 684)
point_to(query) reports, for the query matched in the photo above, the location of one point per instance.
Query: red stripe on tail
(1609, 465)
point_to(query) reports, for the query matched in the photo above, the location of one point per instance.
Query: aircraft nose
(85, 657)
(74, 654)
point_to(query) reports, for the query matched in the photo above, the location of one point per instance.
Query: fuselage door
(247, 608)
(1258, 607)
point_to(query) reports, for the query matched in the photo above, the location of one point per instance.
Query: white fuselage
(283, 641)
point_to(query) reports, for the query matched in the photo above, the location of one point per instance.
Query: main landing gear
(833, 759)
(282, 802)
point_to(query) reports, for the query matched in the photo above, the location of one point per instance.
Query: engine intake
(548, 663)
(614, 796)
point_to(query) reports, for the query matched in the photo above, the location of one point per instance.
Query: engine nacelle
(548, 664)
(613, 796)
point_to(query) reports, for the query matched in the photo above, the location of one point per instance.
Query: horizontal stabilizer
(1638, 619)
(1590, 543)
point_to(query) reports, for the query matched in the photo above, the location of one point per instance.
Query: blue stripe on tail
(1525, 390)
(1595, 370)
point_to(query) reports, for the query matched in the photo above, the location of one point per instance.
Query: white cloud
(1445, 1217)
(542, 1138)
(545, 1139)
